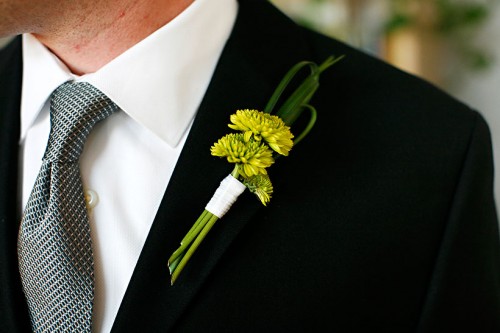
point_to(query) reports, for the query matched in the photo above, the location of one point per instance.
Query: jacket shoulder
(383, 86)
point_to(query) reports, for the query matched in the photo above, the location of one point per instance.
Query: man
(382, 219)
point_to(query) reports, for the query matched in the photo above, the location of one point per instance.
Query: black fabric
(13, 308)
(382, 220)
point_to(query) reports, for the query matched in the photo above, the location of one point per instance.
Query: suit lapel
(14, 314)
(245, 78)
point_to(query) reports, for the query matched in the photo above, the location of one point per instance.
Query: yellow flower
(261, 186)
(252, 157)
(263, 126)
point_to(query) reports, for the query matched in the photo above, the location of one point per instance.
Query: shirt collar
(159, 82)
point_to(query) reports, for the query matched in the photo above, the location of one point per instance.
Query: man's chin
(7, 32)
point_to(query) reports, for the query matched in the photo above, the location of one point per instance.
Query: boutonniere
(260, 138)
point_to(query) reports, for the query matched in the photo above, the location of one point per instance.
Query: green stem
(188, 236)
(284, 83)
(292, 107)
(236, 171)
(330, 61)
(173, 265)
(310, 125)
(193, 248)
(192, 234)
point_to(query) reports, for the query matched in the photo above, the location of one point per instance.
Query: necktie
(54, 245)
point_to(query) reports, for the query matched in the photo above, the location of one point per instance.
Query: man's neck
(98, 36)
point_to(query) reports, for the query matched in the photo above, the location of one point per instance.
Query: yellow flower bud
(263, 126)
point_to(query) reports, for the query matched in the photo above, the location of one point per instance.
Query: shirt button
(91, 198)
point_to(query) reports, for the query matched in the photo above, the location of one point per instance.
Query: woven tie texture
(54, 245)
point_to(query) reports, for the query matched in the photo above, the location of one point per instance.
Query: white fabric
(129, 158)
(224, 197)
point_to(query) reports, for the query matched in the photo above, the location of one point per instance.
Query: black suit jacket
(382, 220)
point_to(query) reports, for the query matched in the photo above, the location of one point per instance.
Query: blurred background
(455, 44)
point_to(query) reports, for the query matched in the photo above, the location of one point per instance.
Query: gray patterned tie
(54, 245)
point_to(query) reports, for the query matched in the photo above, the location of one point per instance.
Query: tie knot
(74, 110)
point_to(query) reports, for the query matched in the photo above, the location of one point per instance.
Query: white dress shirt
(129, 158)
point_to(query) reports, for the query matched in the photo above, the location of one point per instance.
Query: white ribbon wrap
(224, 197)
